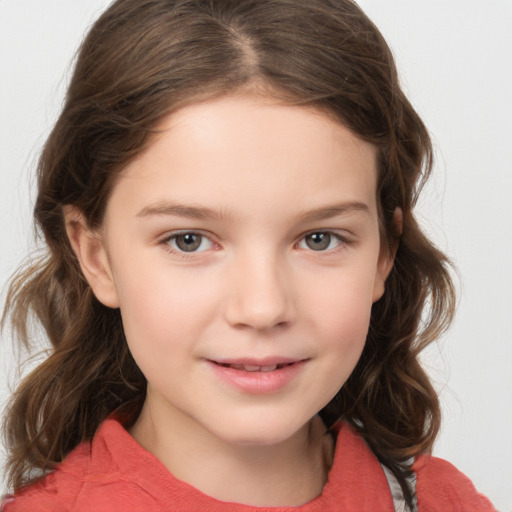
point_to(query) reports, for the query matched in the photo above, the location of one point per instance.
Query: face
(243, 250)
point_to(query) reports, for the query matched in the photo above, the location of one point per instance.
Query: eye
(321, 241)
(189, 242)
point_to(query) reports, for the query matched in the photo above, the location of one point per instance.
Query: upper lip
(252, 361)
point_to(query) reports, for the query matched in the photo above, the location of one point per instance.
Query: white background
(455, 60)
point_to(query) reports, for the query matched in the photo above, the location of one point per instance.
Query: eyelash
(166, 242)
(342, 242)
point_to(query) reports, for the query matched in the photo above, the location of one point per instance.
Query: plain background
(455, 60)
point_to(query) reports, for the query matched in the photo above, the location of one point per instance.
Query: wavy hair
(142, 60)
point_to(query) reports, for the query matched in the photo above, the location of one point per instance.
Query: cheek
(163, 312)
(344, 336)
(340, 320)
(343, 305)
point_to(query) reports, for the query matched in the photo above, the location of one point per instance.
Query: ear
(92, 256)
(387, 259)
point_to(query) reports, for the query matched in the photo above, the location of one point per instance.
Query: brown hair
(142, 60)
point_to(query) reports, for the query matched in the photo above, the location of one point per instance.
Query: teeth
(254, 368)
(251, 368)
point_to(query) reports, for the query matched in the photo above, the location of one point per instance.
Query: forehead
(244, 151)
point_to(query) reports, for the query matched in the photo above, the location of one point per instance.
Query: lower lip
(258, 383)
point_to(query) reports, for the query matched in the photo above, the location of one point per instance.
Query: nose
(260, 294)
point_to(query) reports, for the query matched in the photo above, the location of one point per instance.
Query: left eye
(189, 242)
(320, 241)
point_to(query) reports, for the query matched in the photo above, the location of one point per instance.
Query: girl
(235, 283)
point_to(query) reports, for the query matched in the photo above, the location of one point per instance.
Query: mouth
(258, 377)
(254, 367)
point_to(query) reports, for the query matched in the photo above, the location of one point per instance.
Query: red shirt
(114, 473)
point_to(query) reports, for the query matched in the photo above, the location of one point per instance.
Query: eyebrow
(180, 210)
(201, 212)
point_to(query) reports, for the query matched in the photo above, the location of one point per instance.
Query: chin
(259, 432)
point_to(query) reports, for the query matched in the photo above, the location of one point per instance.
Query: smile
(258, 377)
(255, 368)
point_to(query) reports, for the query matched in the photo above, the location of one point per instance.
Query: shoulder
(91, 475)
(441, 486)
(57, 491)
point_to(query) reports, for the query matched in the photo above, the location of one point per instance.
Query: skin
(255, 179)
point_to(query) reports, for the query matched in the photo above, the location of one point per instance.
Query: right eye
(188, 242)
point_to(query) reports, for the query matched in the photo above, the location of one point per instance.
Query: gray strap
(396, 491)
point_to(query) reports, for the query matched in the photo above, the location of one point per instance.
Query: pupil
(318, 241)
(189, 242)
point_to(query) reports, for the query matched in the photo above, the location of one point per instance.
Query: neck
(289, 473)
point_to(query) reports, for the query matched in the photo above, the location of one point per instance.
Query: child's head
(159, 74)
